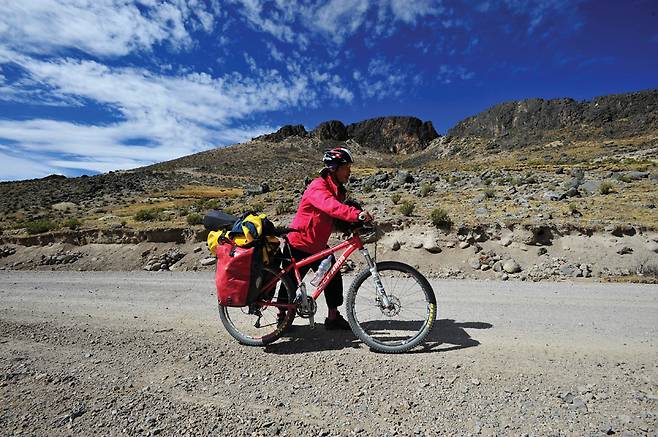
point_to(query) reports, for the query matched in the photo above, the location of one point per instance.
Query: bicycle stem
(375, 274)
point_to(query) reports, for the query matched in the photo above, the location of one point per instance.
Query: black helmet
(337, 156)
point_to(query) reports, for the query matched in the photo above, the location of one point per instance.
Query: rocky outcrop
(393, 134)
(537, 120)
(331, 130)
(287, 131)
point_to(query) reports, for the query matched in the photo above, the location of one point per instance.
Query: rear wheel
(407, 320)
(261, 322)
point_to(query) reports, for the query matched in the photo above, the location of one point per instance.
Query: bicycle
(407, 315)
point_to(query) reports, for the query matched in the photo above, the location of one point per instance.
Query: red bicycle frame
(351, 245)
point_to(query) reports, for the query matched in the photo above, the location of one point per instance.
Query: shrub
(39, 226)
(646, 267)
(72, 223)
(395, 198)
(284, 207)
(606, 187)
(440, 218)
(407, 208)
(426, 189)
(257, 207)
(212, 204)
(367, 188)
(194, 218)
(147, 214)
(573, 209)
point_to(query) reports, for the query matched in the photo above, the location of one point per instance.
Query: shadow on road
(447, 335)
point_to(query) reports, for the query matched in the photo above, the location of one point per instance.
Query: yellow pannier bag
(250, 230)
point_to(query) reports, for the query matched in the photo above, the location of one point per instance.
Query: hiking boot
(339, 323)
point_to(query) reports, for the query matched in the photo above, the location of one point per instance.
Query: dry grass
(206, 192)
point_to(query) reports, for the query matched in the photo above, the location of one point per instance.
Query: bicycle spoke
(408, 317)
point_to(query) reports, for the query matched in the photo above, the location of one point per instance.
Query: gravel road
(138, 353)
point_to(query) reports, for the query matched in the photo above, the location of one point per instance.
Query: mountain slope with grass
(529, 174)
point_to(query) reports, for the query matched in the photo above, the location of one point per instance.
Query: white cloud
(14, 167)
(101, 27)
(277, 26)
(275, 53)
(538, 10)
(296, 22)
(336, 88)
(449, 73)
(410, 11)
(384, 79)
(339, 19)
(161, 116)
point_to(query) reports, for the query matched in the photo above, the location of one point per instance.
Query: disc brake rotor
(393, 309)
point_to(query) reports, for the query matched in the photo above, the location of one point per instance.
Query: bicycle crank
(308, 310)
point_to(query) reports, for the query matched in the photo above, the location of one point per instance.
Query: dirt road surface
(137, 353)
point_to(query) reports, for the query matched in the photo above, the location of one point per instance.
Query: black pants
(333, 293)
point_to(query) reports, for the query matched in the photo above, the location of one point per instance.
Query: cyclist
(321, 204)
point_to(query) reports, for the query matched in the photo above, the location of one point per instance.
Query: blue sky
(88, 87)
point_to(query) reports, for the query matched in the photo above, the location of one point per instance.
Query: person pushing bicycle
(321, 204)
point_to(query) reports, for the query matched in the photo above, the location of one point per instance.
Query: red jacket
(320, 205)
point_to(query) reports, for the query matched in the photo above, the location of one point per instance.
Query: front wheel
(405, 322)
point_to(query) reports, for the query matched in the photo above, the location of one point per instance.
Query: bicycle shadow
(447, 335)
(450, 335)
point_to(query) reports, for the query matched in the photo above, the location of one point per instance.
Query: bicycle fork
(381, 293)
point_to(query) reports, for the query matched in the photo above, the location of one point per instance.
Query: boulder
(590, 187)
(430, 243)
(571, 192)
(404, 177)
(621, 230)
(652, 246)
(64, 206)
(577, 173)
(551, 195)
(623, 249)
(635, 175)
(475, 263)
(511, 266)
(208, 261)
(392, 244)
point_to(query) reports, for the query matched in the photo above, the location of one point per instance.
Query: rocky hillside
(394, 134)
(534, 121)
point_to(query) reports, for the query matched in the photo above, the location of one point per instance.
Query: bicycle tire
(238, 330)
(366, 330)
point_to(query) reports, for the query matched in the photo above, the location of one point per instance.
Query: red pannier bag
(239, 274)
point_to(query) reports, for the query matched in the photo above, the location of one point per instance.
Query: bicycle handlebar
(280, 232)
